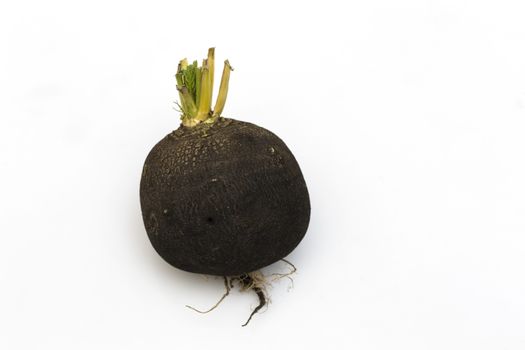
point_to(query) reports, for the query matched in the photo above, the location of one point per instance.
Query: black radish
(221, 196)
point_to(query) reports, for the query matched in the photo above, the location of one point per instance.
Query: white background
(408, 120)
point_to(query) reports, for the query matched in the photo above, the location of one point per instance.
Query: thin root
(255, 281)
(278, 276)
(247, 280)
(227, 286)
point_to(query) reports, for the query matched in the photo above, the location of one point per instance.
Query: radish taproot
(221, 196)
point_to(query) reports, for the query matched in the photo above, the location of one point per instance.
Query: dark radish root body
(221, 196)
(223, 199)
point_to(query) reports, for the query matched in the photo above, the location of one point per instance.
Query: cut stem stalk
(223, 90)
(205, 94)
(195, 86)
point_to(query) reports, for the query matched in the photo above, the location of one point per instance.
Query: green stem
(188, 105)
(211, 67)
(223, 90)
(198, 77)
(205, 96)
(195, 86)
